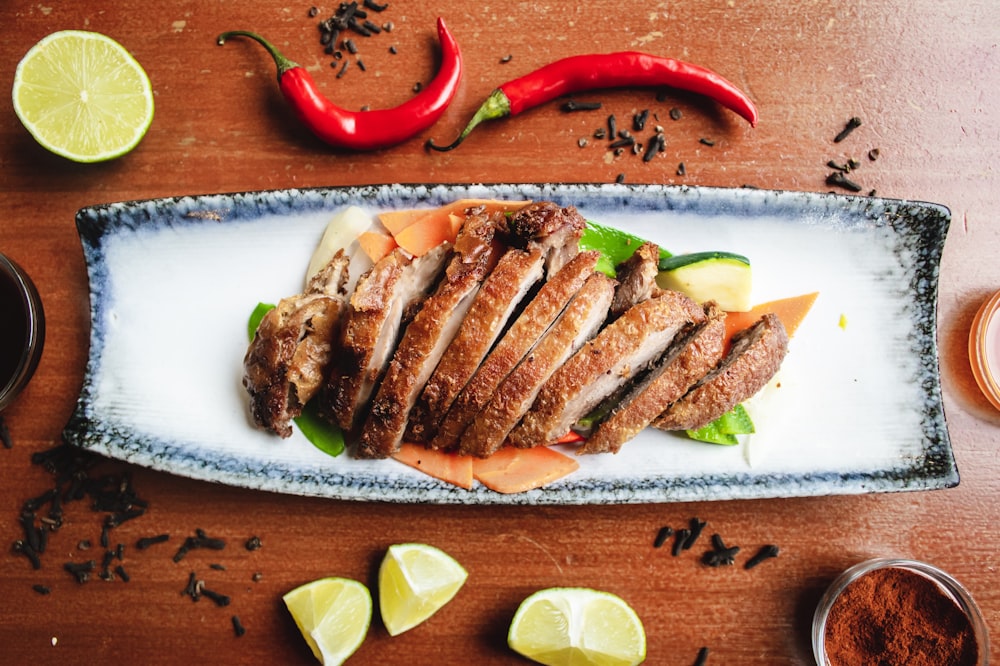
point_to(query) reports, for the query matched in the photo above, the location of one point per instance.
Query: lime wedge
(576, 626)
(83, 96)
(333, 615)
(415, 580)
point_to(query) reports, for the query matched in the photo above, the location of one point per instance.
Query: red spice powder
(894, 616)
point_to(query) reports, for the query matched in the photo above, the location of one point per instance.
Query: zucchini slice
(724, 277)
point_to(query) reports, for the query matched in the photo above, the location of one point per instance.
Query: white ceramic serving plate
(857, 406)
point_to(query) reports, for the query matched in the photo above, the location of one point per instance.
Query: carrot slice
(513, 470)
(448, 467)
(421, 230)
(376, 244)
(426, 234)
(791, 311)
(397, 220)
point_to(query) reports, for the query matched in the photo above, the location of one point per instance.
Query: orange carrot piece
(376, 244)
(397, 220)
(425, 234)
(791, 311)
(448, 467)
(418, 231)
(513, 470)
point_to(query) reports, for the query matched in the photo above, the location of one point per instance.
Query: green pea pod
(614, 245)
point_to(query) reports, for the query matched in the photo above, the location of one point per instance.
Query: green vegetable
(614, 245)
(325, 436)
(722, 277)
(256, 316)
(724, 429)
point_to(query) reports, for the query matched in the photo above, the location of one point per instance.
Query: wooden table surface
(924, 79)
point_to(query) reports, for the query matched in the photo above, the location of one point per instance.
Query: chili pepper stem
(283, 63)
(497, 105)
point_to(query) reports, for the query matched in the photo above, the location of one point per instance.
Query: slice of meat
(578, 323)
(686, 361)
(603, 365)
(286, 362)
(636, 278)
(536, 318)
(753, 359)
(549, 227)
(428, 336)
(382, 302)
(502, 293)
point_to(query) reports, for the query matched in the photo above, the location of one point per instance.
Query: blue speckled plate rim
(920, 227)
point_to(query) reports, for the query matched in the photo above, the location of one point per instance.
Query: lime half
(333, 615)
(576, 626)
(83, 96)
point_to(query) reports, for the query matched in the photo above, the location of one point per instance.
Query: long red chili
(609, 70)
(365, 130)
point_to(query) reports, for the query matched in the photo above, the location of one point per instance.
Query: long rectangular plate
(857, 407)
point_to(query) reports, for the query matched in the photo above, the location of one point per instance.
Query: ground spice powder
(895, 616)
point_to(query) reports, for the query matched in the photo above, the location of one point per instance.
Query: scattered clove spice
(852, 124)
(766, 552)
(838, 179)
(661, 537)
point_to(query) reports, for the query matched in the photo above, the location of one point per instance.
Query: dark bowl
(27, 305)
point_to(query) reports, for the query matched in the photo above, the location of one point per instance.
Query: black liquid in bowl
(22, 330)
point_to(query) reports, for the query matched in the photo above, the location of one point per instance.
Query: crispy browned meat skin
(427, 337)
(522, 336)
(581, 319)
(285, 364)
(753, 358)
(687, 360)
(603, 365)
(375, 316)
(501, 294)
(636, 279)
(553, 229)
(540, 222)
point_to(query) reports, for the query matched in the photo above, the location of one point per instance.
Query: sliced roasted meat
(688, 359)
(502, 293)
(753, 359)
(383, 300)
(536, 318)
(604, 364)
(578, 323)
(285, 364)
(636, 279)
(429, 334)
(554, 229)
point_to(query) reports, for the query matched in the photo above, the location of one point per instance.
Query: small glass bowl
(984, 349)
(34, 339)
(948, 585)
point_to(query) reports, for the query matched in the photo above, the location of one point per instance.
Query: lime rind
(83, 96)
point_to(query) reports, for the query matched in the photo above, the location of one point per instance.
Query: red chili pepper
(365, 130)
(610, 70)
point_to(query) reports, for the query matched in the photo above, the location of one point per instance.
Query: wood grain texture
(924, 80)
